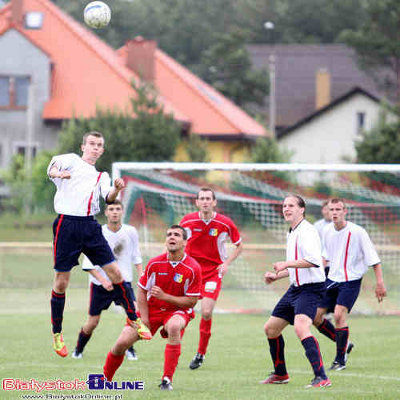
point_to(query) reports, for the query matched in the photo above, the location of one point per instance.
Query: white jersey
(320, 225)
(80, 195)
(350, 252)
(303, 243)
(125, 245)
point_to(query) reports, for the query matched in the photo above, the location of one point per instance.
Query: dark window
(360, 121)
(14, 92)
(21, 149)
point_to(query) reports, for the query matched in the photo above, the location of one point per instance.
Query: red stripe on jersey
(91, 195)
(56, 237)
(296, 256)
(345, 256)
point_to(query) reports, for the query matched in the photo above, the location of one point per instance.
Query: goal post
(160, 194)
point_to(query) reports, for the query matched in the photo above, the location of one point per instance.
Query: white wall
(330, 137)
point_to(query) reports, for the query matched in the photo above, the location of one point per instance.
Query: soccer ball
(97, 14)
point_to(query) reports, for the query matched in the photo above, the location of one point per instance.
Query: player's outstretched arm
(380, 290)
(55, 173)
(119, 184)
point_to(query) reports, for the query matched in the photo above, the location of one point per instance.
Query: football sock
(313, 354)
(327, 329)
(276, 348)
(130, 349)
(124, 296)
(205, 334)
(57, 303)
(83, 338)
(111, 365)
(171, 358)
(342, 337)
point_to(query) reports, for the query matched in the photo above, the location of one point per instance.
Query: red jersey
(177, 278)
(207, 238)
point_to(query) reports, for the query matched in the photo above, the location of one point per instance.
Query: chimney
(322, 88)
(140, 57)
(17, 12)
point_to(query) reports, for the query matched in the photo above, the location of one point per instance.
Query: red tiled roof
(88, 73)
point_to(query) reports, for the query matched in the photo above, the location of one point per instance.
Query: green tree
(196, 149)
(377, 41)
(266, 150)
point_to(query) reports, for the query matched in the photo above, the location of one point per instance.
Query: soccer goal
(159, 194)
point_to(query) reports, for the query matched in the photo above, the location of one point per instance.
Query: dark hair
(325, 203)
(184, 233)
(336, 200)
(92, 133)
(115, 202)
(300, 201)
(206, 189)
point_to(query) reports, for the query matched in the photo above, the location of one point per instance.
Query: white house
(329, 134)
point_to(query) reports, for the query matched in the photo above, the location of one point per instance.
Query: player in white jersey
(322, 223)
(124, 242)
(299, 304)
(349, 251)
(79, 186)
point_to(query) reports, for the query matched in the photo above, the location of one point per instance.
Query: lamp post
(270, 26)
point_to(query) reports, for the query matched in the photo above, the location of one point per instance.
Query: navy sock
(342, 337)
(276, 348)
(83, 338)
(125, 298)
(313, 354)
(57, 304)
(327, 329)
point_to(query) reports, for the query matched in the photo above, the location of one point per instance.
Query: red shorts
(211, 286)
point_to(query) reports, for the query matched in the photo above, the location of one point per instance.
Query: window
(14, 92)
(360, 121)
(33, 20)
(21, 148)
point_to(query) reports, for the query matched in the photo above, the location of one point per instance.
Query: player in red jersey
(167, 292)
(207, 233)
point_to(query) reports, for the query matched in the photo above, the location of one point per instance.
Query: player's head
(206, 200)
(337, 210)
(114, 212)
(92, 146)
(293, 209)
(176, 239)
(325, 211)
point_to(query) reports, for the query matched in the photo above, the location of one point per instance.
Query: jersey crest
(178, 278)
(213, 232)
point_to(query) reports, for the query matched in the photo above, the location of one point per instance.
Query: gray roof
(296, 68)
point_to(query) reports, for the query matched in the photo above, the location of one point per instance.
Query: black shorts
(76, 235)
(101, 299)
(341, 293)
(303, 299)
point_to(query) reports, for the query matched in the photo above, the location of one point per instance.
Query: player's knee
(270, 330)
(206, 314)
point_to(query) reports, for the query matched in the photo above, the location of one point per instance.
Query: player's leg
(85, 334)
(115, 356)
(173, 327)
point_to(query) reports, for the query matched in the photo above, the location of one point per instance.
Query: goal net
(158, 195)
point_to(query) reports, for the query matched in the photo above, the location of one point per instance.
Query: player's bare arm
(282, 265)
(139, 270)
(180, 301)
(223, 268)
(104, 282)
(119, 184)
(270, 276)
(143, 306)
(55, 173)
(380, 290)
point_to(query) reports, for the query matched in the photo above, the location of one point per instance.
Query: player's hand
(270, 277)
(279, 266)
(65, 175)
(119, 184)
(157, 292)
(222, 269)
(107, 285)
(380, 292)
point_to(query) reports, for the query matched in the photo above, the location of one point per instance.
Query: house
(52, 69)
(329, 134)
(309, 76)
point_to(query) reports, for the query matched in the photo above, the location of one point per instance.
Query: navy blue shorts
(303, 299)
(100, 298)
(76, 235)
(341, 293)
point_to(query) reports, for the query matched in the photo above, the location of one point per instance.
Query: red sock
(171, 358)
(111, 365)
(205, 334)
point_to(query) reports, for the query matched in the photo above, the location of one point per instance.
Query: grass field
(238, 355)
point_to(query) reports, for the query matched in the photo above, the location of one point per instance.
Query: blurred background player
(207, 233)
(77, 199)
(349, 251)
(298, 305)
(167, 292)
(321, 224)
(124, 242)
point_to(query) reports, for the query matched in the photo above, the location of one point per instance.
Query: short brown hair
(115, 202)
(92, 133)
(336, 200)
(206, 189)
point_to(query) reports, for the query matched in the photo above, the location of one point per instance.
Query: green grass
(238, 355)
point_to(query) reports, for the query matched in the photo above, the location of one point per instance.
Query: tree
(196, 149)
(377, 41)
(266, 150)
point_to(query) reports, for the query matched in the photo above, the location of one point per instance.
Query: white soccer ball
(97, 14)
